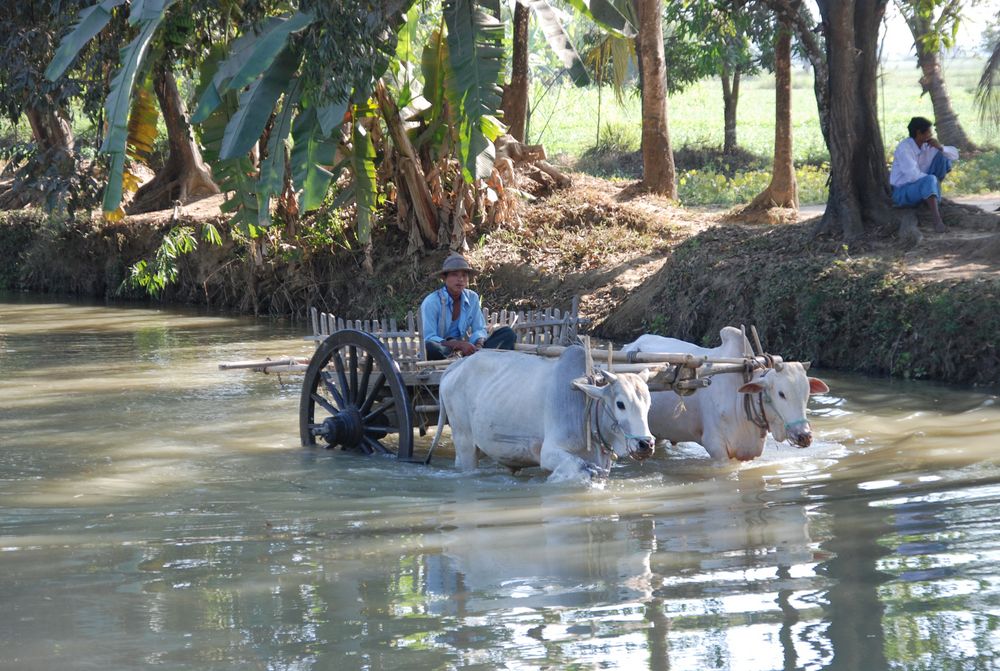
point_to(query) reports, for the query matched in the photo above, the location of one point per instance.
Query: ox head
(621, 412)
(785, 391)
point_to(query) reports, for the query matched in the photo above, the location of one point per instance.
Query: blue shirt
(470, 317)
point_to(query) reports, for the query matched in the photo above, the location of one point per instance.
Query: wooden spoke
(353, 361)
(373, 393)
(380, 410)
(375, 446)
(338, 362)
(332, 388)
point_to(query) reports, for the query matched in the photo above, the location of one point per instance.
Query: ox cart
(369, 387)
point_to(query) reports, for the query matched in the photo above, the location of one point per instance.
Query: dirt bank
(639, 263)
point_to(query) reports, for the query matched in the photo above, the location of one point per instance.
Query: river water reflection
(157, 512)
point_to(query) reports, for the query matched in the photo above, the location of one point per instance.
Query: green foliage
(977, 174)
(154, 276)
(708, 187)
(617, 137)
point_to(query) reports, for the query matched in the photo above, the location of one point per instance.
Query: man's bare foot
(939, 227)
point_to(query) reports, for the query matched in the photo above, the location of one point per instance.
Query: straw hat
(455, 261)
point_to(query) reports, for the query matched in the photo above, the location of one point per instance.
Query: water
(157, 512)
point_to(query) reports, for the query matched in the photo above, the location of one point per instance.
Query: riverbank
(639, 263)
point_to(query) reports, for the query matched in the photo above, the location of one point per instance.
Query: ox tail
(442, 420)
(442, 415)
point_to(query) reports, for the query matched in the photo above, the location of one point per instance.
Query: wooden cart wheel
(353, 396)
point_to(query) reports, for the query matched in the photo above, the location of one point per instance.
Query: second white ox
(716, 417)
(525, 410)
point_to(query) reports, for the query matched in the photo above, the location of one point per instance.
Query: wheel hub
(345, 428)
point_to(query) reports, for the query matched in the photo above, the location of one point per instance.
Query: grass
(565, 120)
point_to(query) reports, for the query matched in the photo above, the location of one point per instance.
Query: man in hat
(452, 318)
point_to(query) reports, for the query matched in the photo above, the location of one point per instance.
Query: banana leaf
(365, 186)
(476, 58)
(267, 47)
(240, 52)
(257, 104)
(272, 169)
(332, 116)
(116, 109)
(312, 151)
(234, 177)
(92, 21)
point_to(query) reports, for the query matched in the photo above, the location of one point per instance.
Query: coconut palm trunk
(949, 129)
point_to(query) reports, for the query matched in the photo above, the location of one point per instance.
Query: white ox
(525, 410)
(716, 418)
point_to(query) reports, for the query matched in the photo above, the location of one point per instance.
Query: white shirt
(910, 162)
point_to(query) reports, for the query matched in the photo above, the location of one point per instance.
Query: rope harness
(753, 404)
(592, 421)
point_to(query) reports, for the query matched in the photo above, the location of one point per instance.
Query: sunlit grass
(565, 119)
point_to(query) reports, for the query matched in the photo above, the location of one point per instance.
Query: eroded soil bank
(639, 263)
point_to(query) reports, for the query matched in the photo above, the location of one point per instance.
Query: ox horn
(806, 364)
(756, 340)
(608, 376)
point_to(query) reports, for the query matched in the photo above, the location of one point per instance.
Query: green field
(564, 119)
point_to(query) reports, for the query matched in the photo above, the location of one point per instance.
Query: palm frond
(558, 39)
(988, 90)
(612, 15)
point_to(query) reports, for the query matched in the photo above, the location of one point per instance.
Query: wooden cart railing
(403, 339)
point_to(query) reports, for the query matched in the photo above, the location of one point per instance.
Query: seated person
(452, 318)
(918, 166)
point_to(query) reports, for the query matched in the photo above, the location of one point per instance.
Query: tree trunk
(783, 189)
(949, 130)
(730, 99)
(50, 130)
(859, 181)
(184, 176)
(796, 14)
(657, 156)
(515, 95)
(54, 146)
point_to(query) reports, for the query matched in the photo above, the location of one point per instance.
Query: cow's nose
(644, 449)
(804, 439)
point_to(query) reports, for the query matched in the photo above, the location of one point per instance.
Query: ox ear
(817, 386)
(751, 388)
(589, 389)
(645, 374)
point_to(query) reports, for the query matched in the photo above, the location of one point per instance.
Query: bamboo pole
(285, 365)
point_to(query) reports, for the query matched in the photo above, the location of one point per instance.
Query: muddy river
(158, 512)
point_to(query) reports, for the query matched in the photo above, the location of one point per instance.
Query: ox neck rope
(593, 419)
